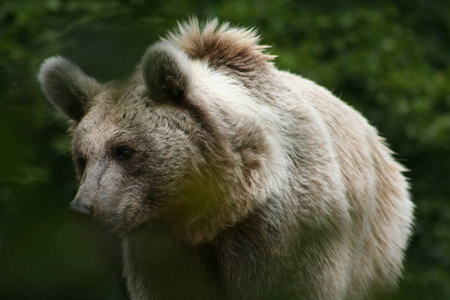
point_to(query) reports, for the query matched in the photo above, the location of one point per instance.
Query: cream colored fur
(252, 182)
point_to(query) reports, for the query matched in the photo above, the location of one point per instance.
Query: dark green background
(388, 59)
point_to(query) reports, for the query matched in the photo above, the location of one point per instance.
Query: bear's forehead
(107, 124)
(95, 130)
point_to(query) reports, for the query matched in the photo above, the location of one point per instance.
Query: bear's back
(376, 191)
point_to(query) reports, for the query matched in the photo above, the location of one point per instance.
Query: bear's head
(182, 139)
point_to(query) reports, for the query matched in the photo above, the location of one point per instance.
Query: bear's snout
(81, 207)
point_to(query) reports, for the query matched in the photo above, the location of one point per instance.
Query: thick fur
(244, 181)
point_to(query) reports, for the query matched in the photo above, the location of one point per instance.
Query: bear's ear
(66, 86)
(166, 71)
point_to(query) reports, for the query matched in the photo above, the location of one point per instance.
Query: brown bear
(227, 178)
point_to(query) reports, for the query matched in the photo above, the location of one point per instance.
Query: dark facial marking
(80, 164)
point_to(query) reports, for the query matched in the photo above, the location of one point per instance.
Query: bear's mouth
(89, 217)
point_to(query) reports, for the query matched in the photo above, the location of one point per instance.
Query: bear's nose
(81, 207)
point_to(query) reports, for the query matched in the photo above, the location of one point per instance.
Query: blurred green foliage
(388, 59)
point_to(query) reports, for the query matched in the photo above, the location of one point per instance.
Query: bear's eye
(122, 152)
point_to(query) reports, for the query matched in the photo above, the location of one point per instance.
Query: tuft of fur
(221, 45)
(229, 179)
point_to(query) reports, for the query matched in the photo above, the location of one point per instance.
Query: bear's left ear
(166, 71)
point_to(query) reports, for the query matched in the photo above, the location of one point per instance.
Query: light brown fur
(230, 179)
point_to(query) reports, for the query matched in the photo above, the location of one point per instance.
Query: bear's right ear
(66, 86)
(166, 71)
